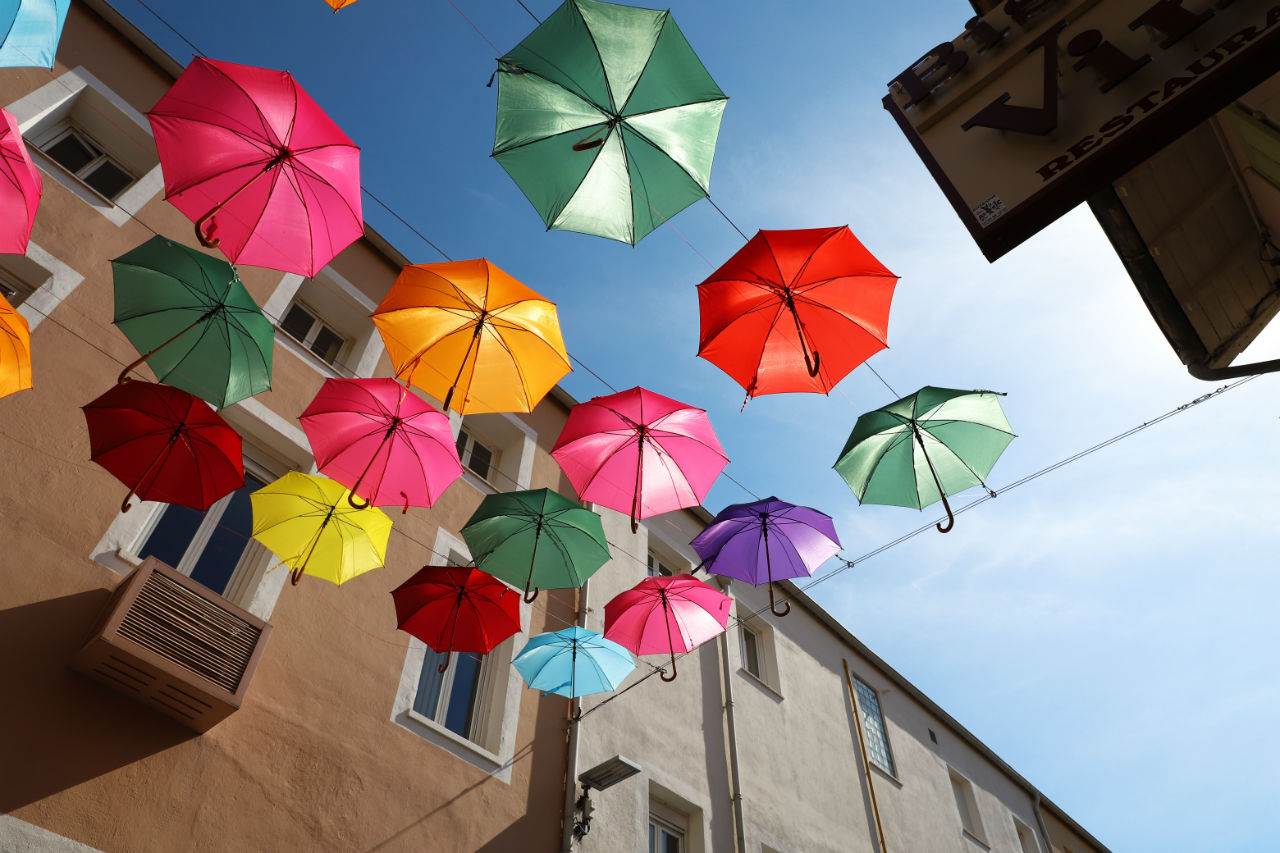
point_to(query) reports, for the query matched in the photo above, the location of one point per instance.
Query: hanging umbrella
(194, 322)
(536, 538)
(339, 4)
(306, 522)
(666, 615)
(573, 662)
(795, 310)
(30, 31)
(20, 187)
(766, 541)
(607, 121)
(930, 444)
(267, 177)
(15, 350)
(456, 609)
(381, 441)
(164, 444)
(468, 326)
(639, 452)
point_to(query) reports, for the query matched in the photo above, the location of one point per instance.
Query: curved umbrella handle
(951, 517)
(588, 144)
(530, 596)
(442, 667)
(575, 714)
(635, 524)
(208, 241)
(295, 575)
(351, 499)
(813, 366)
(663, 673)
(786, 605)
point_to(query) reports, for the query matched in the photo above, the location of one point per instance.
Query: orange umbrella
(15, 350)
(467, 326)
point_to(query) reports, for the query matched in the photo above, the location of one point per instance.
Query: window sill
(886, 774)
(975, 839)
(777, 694)
(475, 754)
(481, 484)
(324, 368)
(46, 163)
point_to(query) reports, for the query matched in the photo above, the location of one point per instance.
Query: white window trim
(34, 112)
(318, 324)
(57, 283)
(522, 449)
(961, 785)
(505, 687)
(769, 676)
(66, 128)
(359, 355)
(1022, 832)
(670, 800)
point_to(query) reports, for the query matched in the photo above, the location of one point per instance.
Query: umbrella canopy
(930, 444)
(765, 541)
(339, 4)
(456, 609)
(266, 176)
(15, 350)
(607, 121)
(639, 452)
(194, 322)
(307, 522)
(666, 615)
(536, 538)
(468, 326)
(381, 441)
(573, 662)
(30, 31)
(20, 187)
(164, 444)
(795, 310)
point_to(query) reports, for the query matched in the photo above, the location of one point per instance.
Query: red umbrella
(250, 158)
(666, 614)
(639, 452)
(20, 188)
(381, 441)
(164, 444)
(795, 310)
(457, 609)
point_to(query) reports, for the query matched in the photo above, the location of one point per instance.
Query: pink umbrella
(381, 441)
(20, 188)
(639, 452)
(248, 156)
(666, 614)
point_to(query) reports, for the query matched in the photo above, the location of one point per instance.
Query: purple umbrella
(766, 541)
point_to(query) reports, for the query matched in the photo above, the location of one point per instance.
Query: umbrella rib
(266, 125)
(897, 441)
(722, 97)
(800, 272)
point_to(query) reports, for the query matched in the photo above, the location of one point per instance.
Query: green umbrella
(193, 321)
(930, 444)
(536, 538)
(607, 120)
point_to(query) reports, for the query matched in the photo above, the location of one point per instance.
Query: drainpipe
(735, 780)
(571, 762)
(866, 762)
(1044, 832)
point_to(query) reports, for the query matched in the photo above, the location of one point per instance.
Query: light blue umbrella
(573, 662)
(30, 30)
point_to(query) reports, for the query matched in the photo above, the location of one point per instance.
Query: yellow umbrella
(15, 350)
(307, 522)
(467, 326)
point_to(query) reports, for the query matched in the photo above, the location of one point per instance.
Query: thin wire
(405, 222)
(603, 381)
(474, 27)
(882, 380)
(722, 213)
(172, 29)
(526, 8)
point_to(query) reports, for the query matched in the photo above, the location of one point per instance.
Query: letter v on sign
(1001, 115)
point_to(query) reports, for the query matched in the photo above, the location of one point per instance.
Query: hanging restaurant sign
(1039, 103)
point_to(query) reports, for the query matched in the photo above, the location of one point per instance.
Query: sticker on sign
(989, 210)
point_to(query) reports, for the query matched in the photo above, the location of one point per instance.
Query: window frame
(468, 441)
(655, 565)
(1024, 833)
(68, 129)
(318, 325)
(659, 824)
(512, 442)
(863, 691)
(750, 641)
(966, 805)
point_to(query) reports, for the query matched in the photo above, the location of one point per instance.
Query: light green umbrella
(930, 444)
(193, 321)
(607, 120)
(536, 538)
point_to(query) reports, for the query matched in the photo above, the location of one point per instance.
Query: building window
(476, 457)
(750, 651)
(659, 567)
(13, 289)
(756, 645)
(455, 698)
(873, 729)
(1026, 838)
(76, 152)
(666, 835)
(305, 327)
(966, 805)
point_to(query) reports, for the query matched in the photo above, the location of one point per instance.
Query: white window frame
(1027, 840)
(469, 442)
(513, 443)
(750, 641)
(861, 689)
(318, 325)
(966, 805)
(66, 129)
(660, 824)
(500, 692)
(655, 562)
(681, 813)
(342, 307)
(766, 649)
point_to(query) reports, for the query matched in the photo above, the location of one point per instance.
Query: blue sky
(1107, 629)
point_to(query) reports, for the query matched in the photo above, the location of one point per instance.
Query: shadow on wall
(58, 728)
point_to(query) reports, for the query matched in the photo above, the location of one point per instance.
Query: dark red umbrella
(457, 609)
(164, 444)
(795, 310)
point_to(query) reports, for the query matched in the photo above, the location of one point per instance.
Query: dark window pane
(462, 446)
(228, 539)
(750, 652)
(109, 179)
(297, 323)
(327, 344)
(480, 461)
(462, 695)
(427, 699)
(172, 534)
(71, 152)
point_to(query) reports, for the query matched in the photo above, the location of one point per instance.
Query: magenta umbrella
(666, 614)
(20, 188)
(639, 452)
(264, 173)
(381, 441)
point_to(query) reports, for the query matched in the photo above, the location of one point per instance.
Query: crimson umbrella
(264, 173)
(666, 615)
(381, 441)
(456, 609)
(795, 310)
(20, 188)
(639, 453)
(766, 541)
(164, 444)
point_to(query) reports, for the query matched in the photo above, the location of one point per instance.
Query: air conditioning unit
(175, 645)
